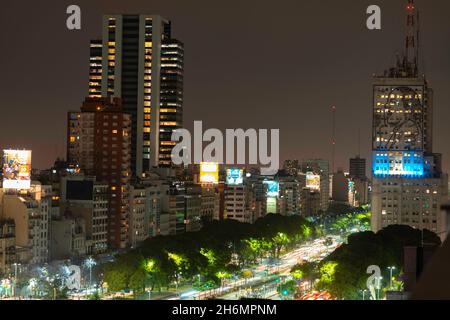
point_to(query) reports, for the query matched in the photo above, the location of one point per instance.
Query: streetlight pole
(390, 279)
(379, 286)
(15, 278)
(364, 294)
(90, 262)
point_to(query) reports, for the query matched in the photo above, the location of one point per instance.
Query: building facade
(317, 173)
(31, 212)
(87, 201)
(7, 245)
(138, 61)
(99, 144)
(357, 168)
(408, 183)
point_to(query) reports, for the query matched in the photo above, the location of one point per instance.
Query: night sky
(248, 64)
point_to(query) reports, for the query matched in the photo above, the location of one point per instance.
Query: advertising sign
(16, 169)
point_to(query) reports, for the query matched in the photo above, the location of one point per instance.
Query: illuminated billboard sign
(16, 169)
(273, 188)
(209, 172)
(271, 205)
(313, 181)
(235, 176)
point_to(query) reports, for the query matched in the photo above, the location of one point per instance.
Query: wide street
(266, 275)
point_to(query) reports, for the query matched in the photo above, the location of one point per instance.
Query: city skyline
(298, 85)
(225, 151)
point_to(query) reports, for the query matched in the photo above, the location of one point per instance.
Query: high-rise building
(357, 168)
(138, 61)
(210, 202)
(310, 202)
(291, 167)
(98, 143)
(139, 230)
(185, 203)
(318, 179)
(340, 187)
(358, 192)
(236, 204)
(289, 196)
(408, 183)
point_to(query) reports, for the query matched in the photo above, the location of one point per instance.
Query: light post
(15, 277)
(90, 262)
(364, 294)
(378, 286)
(390, 279)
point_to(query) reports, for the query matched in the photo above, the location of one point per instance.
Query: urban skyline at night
(294, 91)
(243, 151)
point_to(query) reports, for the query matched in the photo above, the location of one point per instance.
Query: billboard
(313, 181)
(235, 176)
(16, 169)
(272, 188)
(209, 172)
(271, 205)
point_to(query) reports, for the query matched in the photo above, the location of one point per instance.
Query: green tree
(115, 279)
(288, 288)
(137, 281)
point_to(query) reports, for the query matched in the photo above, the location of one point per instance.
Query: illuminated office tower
(408, 183)
(139, 62)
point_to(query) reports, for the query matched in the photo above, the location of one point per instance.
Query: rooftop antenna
(359, 142)
(411, 61)
(333, 138)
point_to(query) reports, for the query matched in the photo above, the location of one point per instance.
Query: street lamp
(390, 279)
(364, 294)
(15, 277)
(90, 262)
(379, 286)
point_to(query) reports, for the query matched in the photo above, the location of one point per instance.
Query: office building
(139, 229)
(408, 183)
(210, 202)
(310, 202)
(138, 61)
(357, 168)
(290, 194)
(317, 173)
(291, 167)
(340, 187)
